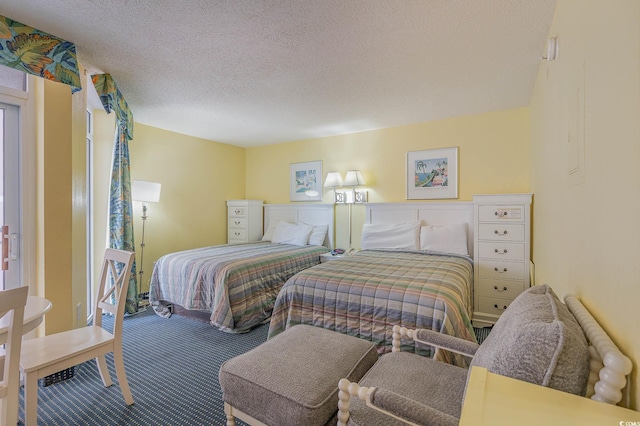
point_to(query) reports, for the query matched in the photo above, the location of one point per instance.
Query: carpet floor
(172, 368)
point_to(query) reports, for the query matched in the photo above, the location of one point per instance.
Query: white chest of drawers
(244, 219)
(501, 250)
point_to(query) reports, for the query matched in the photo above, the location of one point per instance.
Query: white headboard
(432, 213)
(311, 214)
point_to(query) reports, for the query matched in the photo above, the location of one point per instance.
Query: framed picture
(432, 174)
(306, 181)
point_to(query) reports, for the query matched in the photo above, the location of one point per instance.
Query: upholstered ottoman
(293, 378)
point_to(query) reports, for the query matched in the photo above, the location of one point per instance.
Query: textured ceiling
(251, 72)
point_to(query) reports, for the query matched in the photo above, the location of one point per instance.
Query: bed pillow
(318, 234)
(445, 238)
(288, 233)
(268, 234)
(401, 236)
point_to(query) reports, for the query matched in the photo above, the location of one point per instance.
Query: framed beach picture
(306, 181)
(432, 174)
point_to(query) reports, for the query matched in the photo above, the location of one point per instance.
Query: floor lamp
(145, 192)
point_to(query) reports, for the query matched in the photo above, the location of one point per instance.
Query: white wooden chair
(537, 340)
(50, 354)
(12, 304)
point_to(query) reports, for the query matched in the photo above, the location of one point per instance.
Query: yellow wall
(493, 158)
(197, 177)
(61, 209)
(79, 203)
(586, 229)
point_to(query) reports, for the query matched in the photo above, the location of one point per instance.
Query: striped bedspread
(366, 294)
(237, 283)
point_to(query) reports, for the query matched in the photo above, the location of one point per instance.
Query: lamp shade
(145, 191)
(333, 180)
(353, 178)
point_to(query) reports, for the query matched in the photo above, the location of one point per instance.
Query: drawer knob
(501, 252)
(238, 211)
(500, 233)
(237, 234)
(498, 270)
(500, 213)
(237, 222)
(495, 287)
(499, 308)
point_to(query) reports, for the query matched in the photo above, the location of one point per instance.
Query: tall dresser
(501, 253)
(244, 224)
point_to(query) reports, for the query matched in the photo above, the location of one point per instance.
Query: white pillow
(318, 234)
(268, 234)
(288, 233)
(403, 236)
(445, 238)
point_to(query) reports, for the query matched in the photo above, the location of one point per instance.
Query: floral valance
(112, 100)
(35, 52)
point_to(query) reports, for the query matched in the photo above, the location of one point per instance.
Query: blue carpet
(172, 368)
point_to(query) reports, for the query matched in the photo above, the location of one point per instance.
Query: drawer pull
(501, 252)
(499, 308)
(237, 234)
(500, 233)
(495, 287)
(498, 270)
(238, 211)
(237, 222)
(502, 213)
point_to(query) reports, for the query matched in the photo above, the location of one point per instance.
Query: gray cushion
(538, 340)
(410, 410)
(434, 384)
(292, 379)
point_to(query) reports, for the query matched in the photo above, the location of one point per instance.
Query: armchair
(537, 340)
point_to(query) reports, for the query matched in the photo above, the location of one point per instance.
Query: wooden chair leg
(101, 361)
(30, 399)
(118, 360)
(10, 403)
(228, 410)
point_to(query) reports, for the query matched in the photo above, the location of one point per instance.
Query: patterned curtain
(35, 52)
(120, 205)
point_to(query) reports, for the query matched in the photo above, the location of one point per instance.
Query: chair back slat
(114, 283)
(12, 303)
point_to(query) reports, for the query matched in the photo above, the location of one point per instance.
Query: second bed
(367, 293)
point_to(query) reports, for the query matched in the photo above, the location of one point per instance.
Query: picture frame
(432, 174)
(306, 181)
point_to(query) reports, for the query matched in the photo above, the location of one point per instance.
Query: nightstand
(328, 257)
(244, 221)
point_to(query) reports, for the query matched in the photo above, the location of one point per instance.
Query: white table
(328, 257)
(34, 312)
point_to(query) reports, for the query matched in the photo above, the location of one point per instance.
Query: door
(10, 215)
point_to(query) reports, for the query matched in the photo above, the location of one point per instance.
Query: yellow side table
(492, 399)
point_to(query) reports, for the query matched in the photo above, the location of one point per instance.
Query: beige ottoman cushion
(292, 379)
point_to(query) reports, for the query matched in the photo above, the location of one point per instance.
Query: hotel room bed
(236, 285)
(366, 293)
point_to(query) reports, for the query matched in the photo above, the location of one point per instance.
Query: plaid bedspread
(238, 283)
(366, 294)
